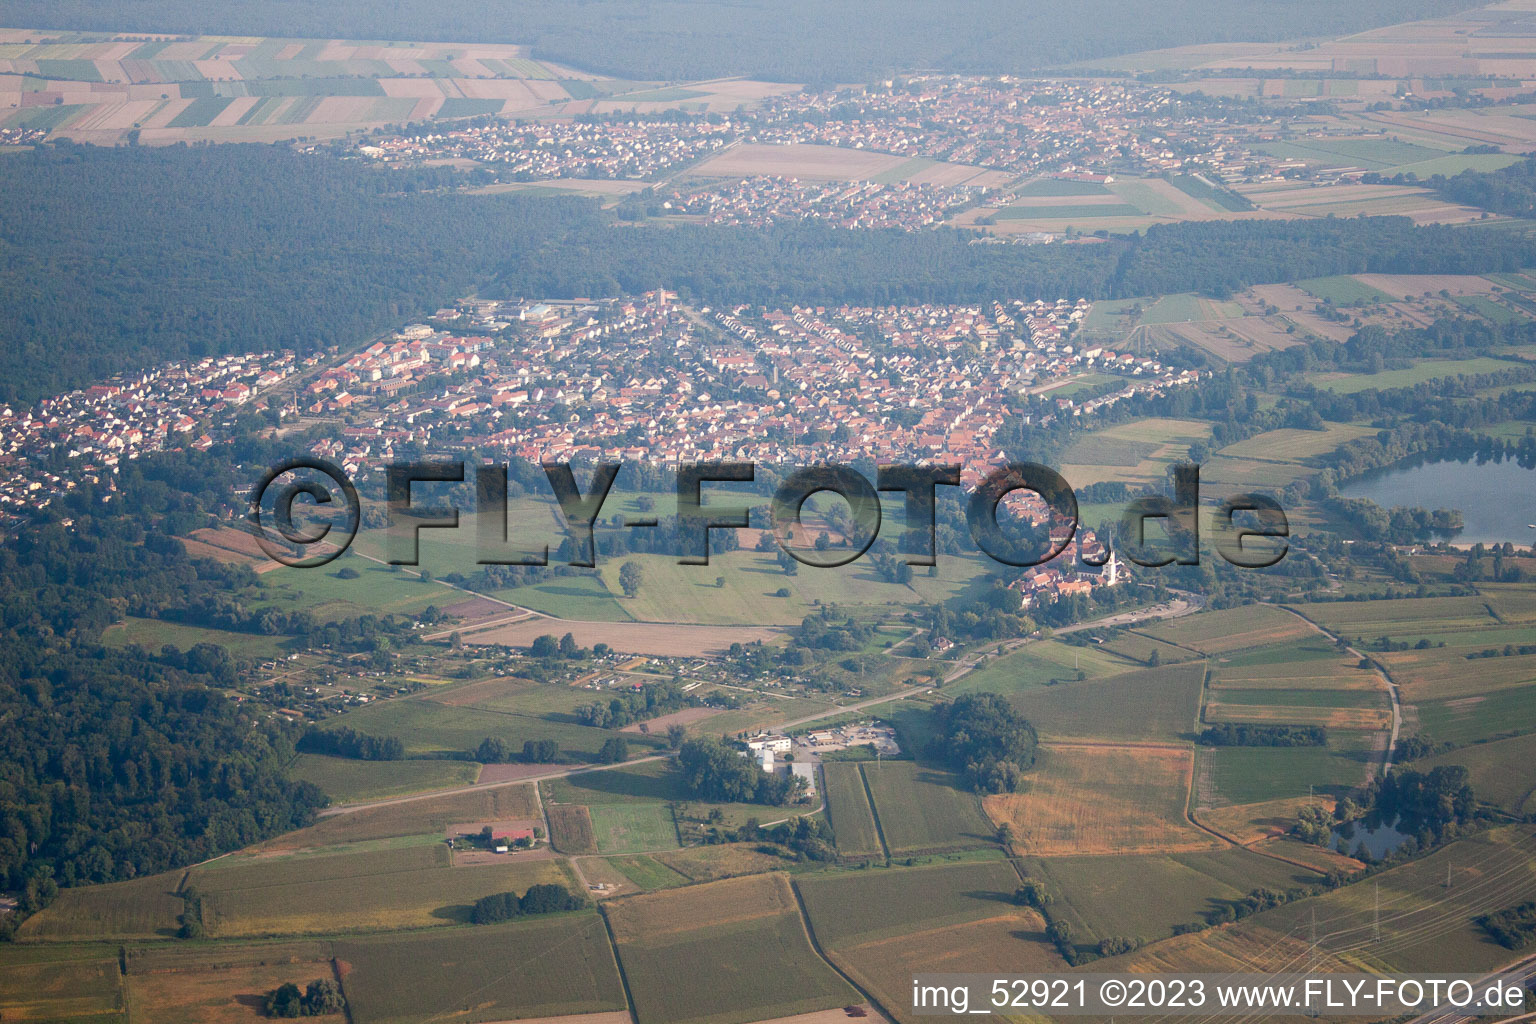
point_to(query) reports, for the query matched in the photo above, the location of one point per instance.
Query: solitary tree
(630, 578)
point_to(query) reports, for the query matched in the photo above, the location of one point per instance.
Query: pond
(1497, 499)
(1379, 839)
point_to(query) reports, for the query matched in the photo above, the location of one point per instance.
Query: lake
(1497, 499)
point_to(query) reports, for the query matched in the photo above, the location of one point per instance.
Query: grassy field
(1500, 771)
(1246, 775)
(924, 810)
(1061, 187)
(1343, 290)
(854, 907)
(393, 887)
(153, 634)
(1039, 664)
(429, 727)
(633, 828)
(534, 968)
(725, 952)
(1152, 704)
(1094, 799)
(1138, 647)
(346, 780)
(1422, 371)
(1479, 717)
(649, 873)
(848, 810)
(1089, 892)
(653, 784)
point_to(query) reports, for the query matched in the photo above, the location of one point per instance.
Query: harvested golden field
(1249, 823)
(570, 828)
(653, 917)
(1364, 719)
(1103, 799)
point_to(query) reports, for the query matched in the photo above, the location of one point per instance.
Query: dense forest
(984, 737)
(781, 40)
(122, 763)
(121, 258)
(118, 258)
(1510, 190)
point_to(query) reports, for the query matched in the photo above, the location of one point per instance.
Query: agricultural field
(1474, 719)
(1039, 663)
(60, 982)
(247, 897)
(1343, 290)
(1122, 441)
(144, 908)
(570, 828)
(1102, 799)
(418, 816)
(1424, 925)
(524, 969)
(1289, 445)
(849, 812)
(1125, 204)
(434, 729)
(1231, 630)
(153, 634)
(1422, 371)
(1254, 775)
(632, 828)
(882, 925)
(215, 995)
(646, 873)
(347, 780)
(923, 810)
(745, 946)
(1151, 704)
(1500, 771)
(1138, 647)
(219, 88)
(1090, 892)
(719, 860)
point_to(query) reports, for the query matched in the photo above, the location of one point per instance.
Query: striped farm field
(848, 809)
(530, 968)
(726, 952)
(924, 810)
(1234, 629)
(882, 925)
